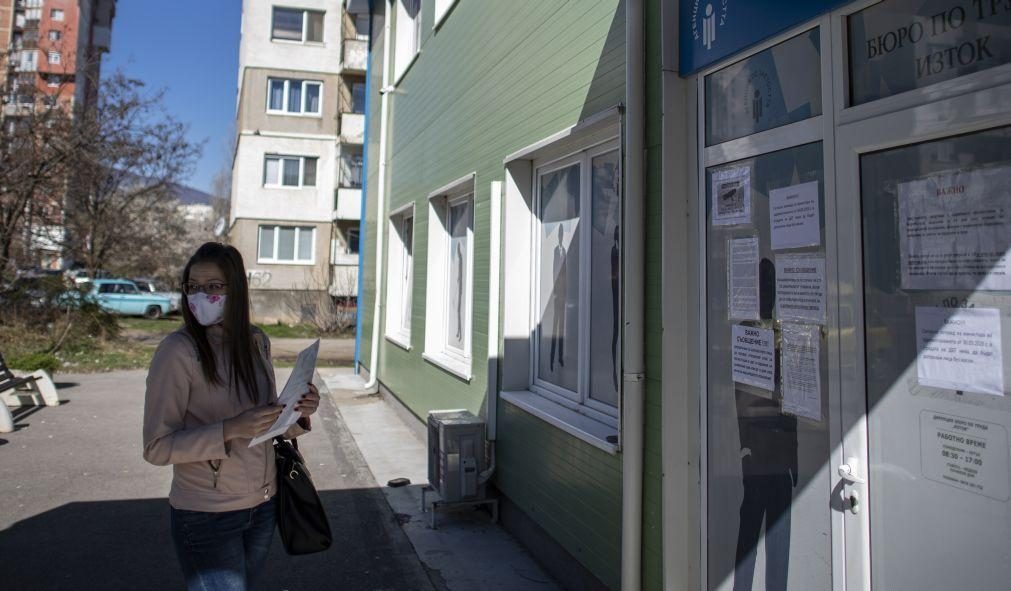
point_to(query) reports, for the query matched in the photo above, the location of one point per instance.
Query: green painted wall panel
(495, 77)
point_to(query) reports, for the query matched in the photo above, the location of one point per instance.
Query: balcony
(356, 55)
(349, 205)
(345, 276)
(101, 38)
(352, 128)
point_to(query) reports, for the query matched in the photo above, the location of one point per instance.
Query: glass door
(925, 302)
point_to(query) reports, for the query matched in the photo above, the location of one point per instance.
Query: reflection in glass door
(767, 418)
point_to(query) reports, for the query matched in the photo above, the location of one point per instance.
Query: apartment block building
(53, 60)
(296, 191)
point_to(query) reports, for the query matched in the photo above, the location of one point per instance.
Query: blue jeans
(223, 551)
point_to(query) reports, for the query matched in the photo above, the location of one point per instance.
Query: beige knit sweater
(184, 418)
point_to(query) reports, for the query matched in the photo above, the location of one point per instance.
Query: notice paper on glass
(731, 196)
(754, 356)
(795, 216)
(800, 360)
(960, 349)
(294, 388)
(955, 230)
(743, 278)
(800, 288)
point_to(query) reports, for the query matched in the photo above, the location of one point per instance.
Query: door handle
(848, 472)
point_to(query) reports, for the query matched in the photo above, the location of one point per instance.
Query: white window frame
(407, 40)
(55, 34)
(273, 260)
(400, 277)
(595, 135)
(442, 8)
(55, 58)
(305, 25)
(302, 112)
(438, 351)
(280, 171)
(56, 14)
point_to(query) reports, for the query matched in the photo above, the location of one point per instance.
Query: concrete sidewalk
(467, 551)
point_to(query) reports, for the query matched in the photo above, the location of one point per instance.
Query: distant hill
(190, 196)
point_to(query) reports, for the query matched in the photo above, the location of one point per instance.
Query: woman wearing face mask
(210, 390)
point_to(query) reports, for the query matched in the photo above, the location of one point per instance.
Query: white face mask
(208, 309)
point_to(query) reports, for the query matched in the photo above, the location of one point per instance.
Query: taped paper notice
(795, 216)
(960, 349)
(800, 288)
(743, 278)
(955, 230)
(754, 357)
(800, 354)
(731, 197)
(965, 453)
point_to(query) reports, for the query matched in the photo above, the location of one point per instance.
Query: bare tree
(133, 153)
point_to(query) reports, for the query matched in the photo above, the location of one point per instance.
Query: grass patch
(295, 331)
(162, 327)
(107, 357)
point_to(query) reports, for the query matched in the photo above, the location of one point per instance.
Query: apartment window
(295, 97)
(353, 241)
(563, 282)
(450, 278)
(292, 24)
(56, 14)
(286, 244)
(53, 81)
(400, 280)
(351, 171)
(408, 34)
(362, 26)
(358, 97)
(55, 35)
(289, 171)
(55, 57)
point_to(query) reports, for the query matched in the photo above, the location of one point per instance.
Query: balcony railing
(352, 128)
(356, 55)
(348, 205)
(345, 277)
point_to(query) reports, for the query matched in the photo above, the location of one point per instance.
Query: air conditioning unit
(456, 456)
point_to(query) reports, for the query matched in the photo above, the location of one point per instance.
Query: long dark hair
(245, 358)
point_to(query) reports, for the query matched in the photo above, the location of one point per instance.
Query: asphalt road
(81, 509)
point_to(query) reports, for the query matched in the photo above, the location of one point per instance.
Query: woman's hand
(309, 402)
(252, 422)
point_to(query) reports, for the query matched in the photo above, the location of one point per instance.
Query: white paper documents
(731, 197)
(743, 278)
(294, 388)
(800, 288)
(795, 216)
(800, 354)
(960, 349)
(754, 357)
(955, 230)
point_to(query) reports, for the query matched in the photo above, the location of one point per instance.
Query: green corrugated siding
(495, 77)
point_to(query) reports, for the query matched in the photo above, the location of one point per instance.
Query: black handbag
(301, 519)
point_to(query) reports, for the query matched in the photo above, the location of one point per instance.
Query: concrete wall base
(285, 306)
(568, 572)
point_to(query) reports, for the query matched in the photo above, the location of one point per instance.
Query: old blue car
(120, 296)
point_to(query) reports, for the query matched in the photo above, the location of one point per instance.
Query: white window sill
(293, 42)
(579, 426)
(456, 367)
(288, 187)
(273, 262)
(402, 341)
(290, 114)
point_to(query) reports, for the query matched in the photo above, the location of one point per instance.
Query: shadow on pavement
(128, 545)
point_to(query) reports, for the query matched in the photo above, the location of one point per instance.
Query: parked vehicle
(151, 286)
(120, 296)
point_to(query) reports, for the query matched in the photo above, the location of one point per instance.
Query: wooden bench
(34, 389)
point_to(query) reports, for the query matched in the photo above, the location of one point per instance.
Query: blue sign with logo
(714, 29)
